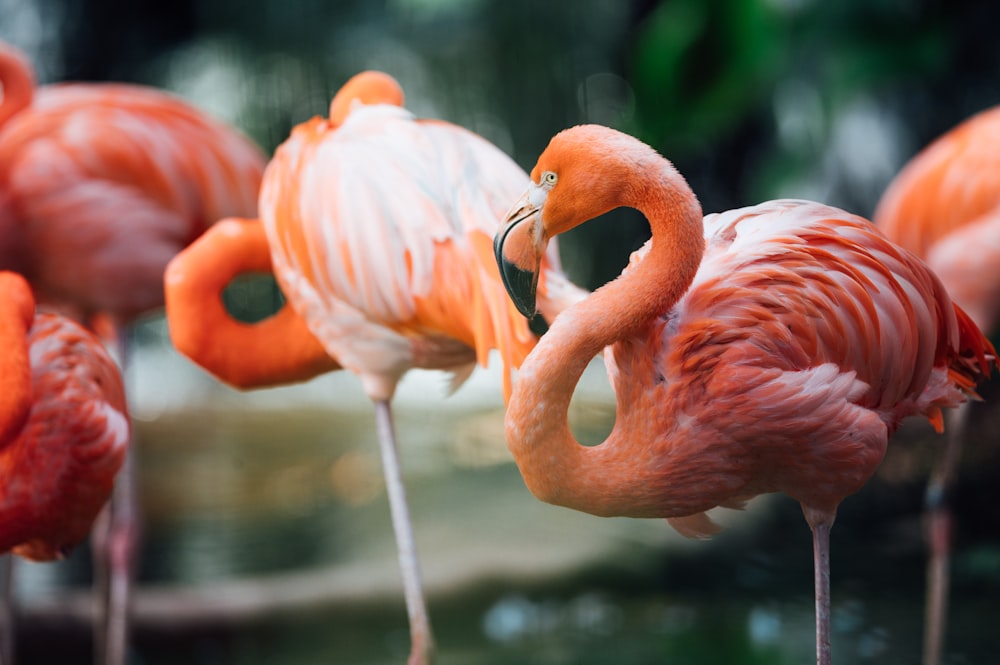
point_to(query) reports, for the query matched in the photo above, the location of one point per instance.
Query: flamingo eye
(549, 178)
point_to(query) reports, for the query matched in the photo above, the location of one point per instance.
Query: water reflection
(268, 541)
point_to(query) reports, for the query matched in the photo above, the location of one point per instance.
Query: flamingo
(765, 349)
(945, 207)
(379, 227)
(100, 185)
(64, 430)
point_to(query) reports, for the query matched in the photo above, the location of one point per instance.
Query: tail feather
(698, 526)
(975, 359)
(976, 355)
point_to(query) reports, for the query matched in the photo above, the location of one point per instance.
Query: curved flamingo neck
(275, 351)
(17, 311)
(17, 82)
(555, 466)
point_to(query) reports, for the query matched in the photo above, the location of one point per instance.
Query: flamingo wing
(151, 140)
(60, 470)
(387, 222)
(105, 183)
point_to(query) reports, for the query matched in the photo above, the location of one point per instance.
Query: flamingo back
(139, 137)
(59, 471)
(389, 220)
(117, 178)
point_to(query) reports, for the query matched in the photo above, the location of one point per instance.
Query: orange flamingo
(100, 185)
(64, 429)
(945, 207)
(771, 348)
(379, 227)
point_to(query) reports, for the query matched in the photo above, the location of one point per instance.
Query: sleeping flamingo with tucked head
(100, 186)
(64, 431)
(379, 227)
(771, 348)
(69, 420)
(945, 207)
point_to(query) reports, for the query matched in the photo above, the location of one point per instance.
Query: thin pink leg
(938, 525)
(821, 523)
(421, 638)
(821, 561)
(123, 539)
(115, 543)
(6, 610)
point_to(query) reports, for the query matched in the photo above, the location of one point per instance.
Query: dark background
(751, 99)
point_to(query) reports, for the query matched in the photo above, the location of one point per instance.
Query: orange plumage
(945, 207)
(382, 223)
(277, 350)
(379, 227)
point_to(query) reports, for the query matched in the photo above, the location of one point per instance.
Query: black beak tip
(498, 248)
(520, 285)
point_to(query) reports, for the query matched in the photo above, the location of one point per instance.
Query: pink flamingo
(771, 348)
(64, 431)
(100, 186)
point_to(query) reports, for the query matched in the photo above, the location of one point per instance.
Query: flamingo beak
(519, 246)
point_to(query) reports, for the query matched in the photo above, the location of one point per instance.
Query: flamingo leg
(821, 523)
(421, 638)
(938, 533)
(6, 610)
(122, 541)
(115, 543)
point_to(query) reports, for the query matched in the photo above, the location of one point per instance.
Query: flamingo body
(59, 466)
(380, 231)
(102, 184)
(945, 206)
(771, 348)
(379, 227)
(802, 323)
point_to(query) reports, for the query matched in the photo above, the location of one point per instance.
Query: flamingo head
(578, 177)
(519, 247)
